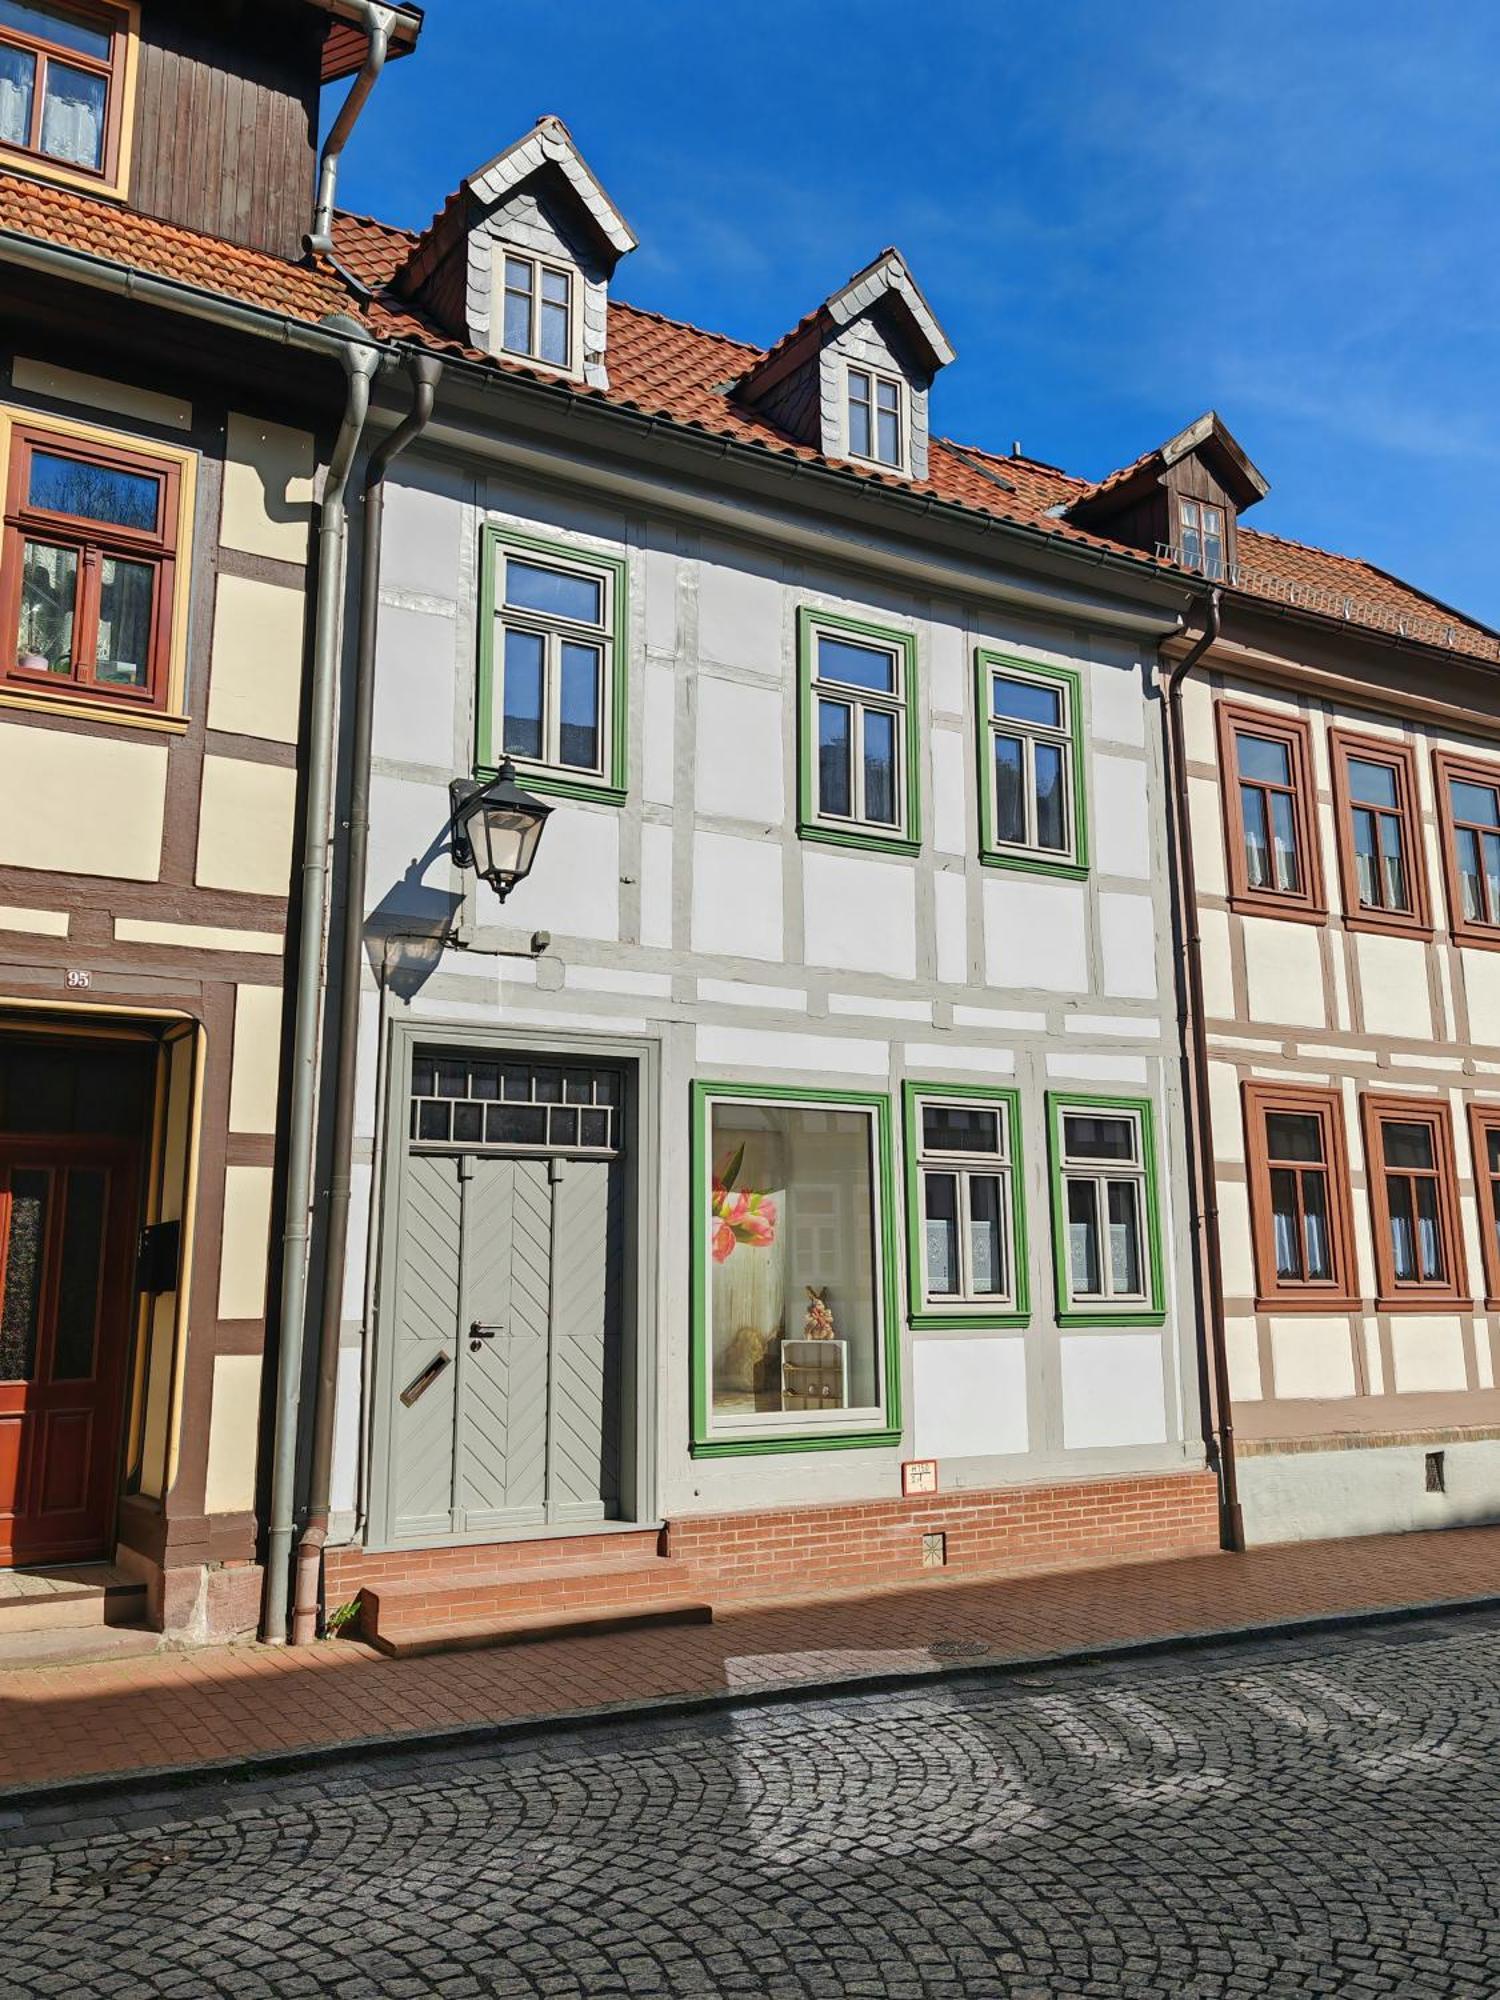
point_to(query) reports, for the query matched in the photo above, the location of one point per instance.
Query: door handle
(479, 1333)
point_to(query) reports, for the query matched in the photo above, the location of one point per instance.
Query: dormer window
(875, 425)
(62, 86)
(1201, 538)
(538, 311)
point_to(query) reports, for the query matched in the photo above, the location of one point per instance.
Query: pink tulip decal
(739, 1215)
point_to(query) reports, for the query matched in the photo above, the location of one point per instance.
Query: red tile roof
(666, 367)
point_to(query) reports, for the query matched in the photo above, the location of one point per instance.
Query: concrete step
(626, 1546)
(67, 1598)
(408, 1641)
(540, 1588)
(76, 1646)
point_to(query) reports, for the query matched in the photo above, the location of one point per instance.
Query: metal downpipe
(360, 362)
(1231, 1515)
(426, 372)
(378, 22)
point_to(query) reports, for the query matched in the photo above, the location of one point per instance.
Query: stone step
(69, 1598)
(542, 1587)
(624, 1546)
(407, 1641)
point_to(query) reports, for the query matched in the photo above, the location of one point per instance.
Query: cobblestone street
(1294, 1816)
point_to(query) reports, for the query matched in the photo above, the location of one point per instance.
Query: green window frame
(1035, 738)
(1008, 1165)
(1109, 1305)
(608, 783)
(853, 829)
(721, 1439)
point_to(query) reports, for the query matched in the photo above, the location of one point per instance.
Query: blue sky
(1123, 212)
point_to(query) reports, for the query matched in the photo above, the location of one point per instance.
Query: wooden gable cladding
(226, 123)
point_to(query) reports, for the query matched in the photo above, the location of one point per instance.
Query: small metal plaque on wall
(918, 1475)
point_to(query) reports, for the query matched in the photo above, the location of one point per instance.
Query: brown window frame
(93, 541)
(1306, 905)
(1484, 1118)
(119, 23)
(1401, 759)
(1395, 1294)
(1201, 567)
(1446, 765)
(1340, 1291)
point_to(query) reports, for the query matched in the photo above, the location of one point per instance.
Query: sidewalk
(221, 1704)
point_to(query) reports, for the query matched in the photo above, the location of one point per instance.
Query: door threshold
(542, 1531)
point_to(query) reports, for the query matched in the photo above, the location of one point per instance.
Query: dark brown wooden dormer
(1181, 502)
(199, 112)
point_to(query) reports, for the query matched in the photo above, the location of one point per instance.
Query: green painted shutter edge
(615, 791)
(985, 661)
(1154, 1312)
(704, 1445)
(918, 1312)
(809, 827)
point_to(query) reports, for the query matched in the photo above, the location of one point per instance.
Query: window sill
(1303, 1302)
(1469, 937)
(14, 161)
(1287, 910)
(878, 843)
(1417, 1302)
(1024, 864)
(886, 1440)
(80, 709)
(594, 791)
(1145, 1316)
(1390, 926)
(973, 1322)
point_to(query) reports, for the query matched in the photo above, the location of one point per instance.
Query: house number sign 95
(76, 979)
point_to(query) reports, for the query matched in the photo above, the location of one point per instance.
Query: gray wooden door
(507, 1402)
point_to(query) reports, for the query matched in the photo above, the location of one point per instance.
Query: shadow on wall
(406, 930)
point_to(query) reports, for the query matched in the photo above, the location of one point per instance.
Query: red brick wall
(991, 1531)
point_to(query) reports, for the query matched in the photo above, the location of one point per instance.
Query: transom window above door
(966, 1224)
(487, 1103)
(89, 579)
(1031, 796)
(1106, 1231)
(1270, 813)
(553, 667)
(857, 747)
(63, 85)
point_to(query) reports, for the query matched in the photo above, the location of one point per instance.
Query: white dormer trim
(550, 143)
(888, 277)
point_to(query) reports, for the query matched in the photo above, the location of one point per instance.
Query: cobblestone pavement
(1289, 1817)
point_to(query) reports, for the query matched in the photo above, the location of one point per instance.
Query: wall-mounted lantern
(497, 829)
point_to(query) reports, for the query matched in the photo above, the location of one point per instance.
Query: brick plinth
(990, 1531)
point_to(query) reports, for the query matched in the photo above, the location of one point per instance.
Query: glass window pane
(888, 438)
(555, 287)
(1024, 701)
(960, 1128)
(126, 594)
(517, 335)
(562, 1126)
(1407, 1146)
(106, 493)
(1124, 1238)
(1491, 845)
(887, 396)
(871, 667)
(484, 1079)
(55, 25)
(525, 668)
(452, 1077)
(1403, 1226)
(468, 1124)
(547, 1086)
(1430, 1260)
(554, 345)
(1372, 784)
(1492, 1142)
(580, 705)
(423, 1077)
(1470, 879)
(1294, 1135)
(1083, 1239)
(1010, 792)
(835, 774)
(1317, 1242)
(1392, 865)
(859, 413)
(49, 589)
(1051, 798)
(1366, 870)
(556, 593)
(940, 1193)
(1266, 761)
(986, 1240)
(515, 1125)
(24, 1215)
(433, 1120)
(880, 767)
(1286, 1233)
(1257, 837)
(593, 1128)
(794, 1248)
(17, 82)
(1287, 867)
(73, 115)
(1089, 1137)
(1478, 803)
